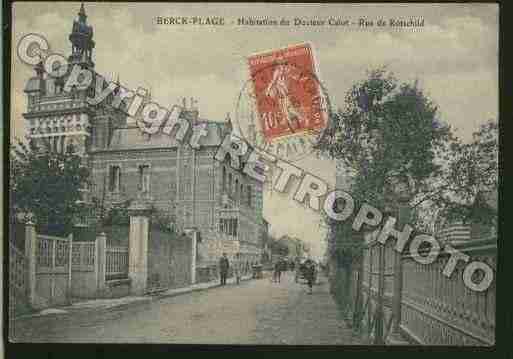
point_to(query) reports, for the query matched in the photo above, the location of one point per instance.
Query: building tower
(56, 119)
(81, 39)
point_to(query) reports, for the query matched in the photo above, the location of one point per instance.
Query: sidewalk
(197, 287)
(117, 303)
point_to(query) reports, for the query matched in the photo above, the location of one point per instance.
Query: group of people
(280, 266)
(307, 270)
(238, 266)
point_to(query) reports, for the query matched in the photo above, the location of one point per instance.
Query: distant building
(189, 186)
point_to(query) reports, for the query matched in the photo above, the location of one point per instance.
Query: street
(255, 312)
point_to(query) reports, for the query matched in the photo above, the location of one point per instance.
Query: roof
(33, 84)
(131, 138)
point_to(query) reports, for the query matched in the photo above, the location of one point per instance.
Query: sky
(454, 56)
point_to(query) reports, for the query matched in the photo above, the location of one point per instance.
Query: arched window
(241, 192)
(236, 188)
(230, 183)
(249, 193)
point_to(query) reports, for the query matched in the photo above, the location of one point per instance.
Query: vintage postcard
(253, 174)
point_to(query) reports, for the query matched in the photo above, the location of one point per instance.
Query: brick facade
(125, 163)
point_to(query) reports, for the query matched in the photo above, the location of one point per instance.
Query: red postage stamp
(287, 92)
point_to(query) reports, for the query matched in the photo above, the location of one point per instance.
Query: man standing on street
(310, 273)
(224, 265)
(237, 268)
(277, 270)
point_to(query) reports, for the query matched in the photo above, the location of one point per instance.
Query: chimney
(190, 113)
(229, 126)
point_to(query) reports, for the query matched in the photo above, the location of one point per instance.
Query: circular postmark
(283, 110)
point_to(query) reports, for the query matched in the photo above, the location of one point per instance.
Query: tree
(471, 174)
(389, 134)
(119, 215)
(46, 186)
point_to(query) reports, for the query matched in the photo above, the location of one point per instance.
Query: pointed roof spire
(116, 90)
(81, 13)
(228, 121)
(39, 68)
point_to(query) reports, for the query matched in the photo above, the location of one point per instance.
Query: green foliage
(387, 137)
(474, 172)
(46, 185)
(395, 148)
(345, 245)
(388, 132)
(465, 190)
(119, 215)
(162, 221)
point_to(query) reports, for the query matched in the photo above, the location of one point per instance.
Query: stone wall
(181, 258)
(159, 259)
(169, 260)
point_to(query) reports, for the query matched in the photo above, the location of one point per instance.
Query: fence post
(192, 234)
(378, 334)
(31, 256)
(404, 214)
(70, 259)
(101, 262)
(138, 247)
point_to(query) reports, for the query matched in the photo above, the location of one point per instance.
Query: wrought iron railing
(17, 284)
(116, 262)
(437, 310)
(83, 255)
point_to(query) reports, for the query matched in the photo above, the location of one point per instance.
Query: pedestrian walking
(310, 273)
(224, 265)
(277, 271)
(237, 268)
